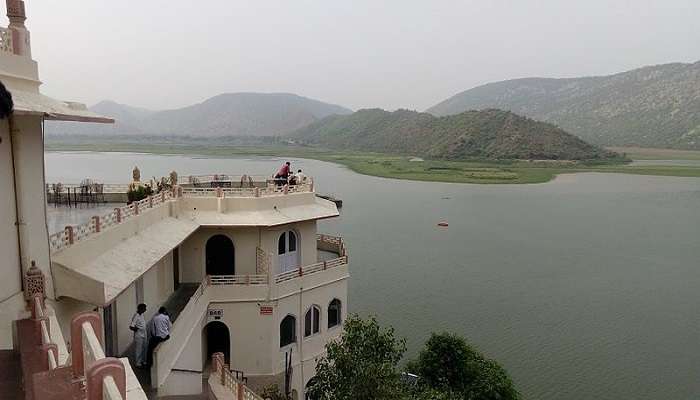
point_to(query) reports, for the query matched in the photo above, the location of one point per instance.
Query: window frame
(339, 322)
(313, 321)
(294, 331)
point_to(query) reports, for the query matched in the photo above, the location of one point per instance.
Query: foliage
(138, 192)
(272, 392)
(488, 134)
(449, 365)
(362, 364)
(654, 106)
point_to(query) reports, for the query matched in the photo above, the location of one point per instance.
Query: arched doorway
(220, 256)
(217, 339)
(287, 249)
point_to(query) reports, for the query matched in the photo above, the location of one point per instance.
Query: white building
(242, 268)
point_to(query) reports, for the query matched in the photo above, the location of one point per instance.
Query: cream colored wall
(192, 251)
(306, 241)
(29, 167)
(10, 268)
(126, 307)
(297, 305)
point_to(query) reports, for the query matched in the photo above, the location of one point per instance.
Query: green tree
(362, 364)
(449, 365)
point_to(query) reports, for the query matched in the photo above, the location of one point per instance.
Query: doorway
(220, 256)
(217, 340)
(287, 249)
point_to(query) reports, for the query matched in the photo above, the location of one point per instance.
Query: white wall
(125, 307)
(306, 242)
(10, 267)
(29, 167)
(192, 251)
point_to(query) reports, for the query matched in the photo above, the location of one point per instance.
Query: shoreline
(399, 167)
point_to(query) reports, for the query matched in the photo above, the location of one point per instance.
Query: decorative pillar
(20, 35)
(119, 215)
(34, 284)
(70, 234)
(96, 218)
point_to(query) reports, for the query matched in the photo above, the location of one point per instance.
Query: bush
(449, 365)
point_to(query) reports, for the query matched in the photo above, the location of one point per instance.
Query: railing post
(69, 234)
(34, 284)
(324, 265)
(150, 201)
(286, 188)
(219, 192)
(136, 208)
(100, 370)
(241, 390)
(301, 272)
(162, 196)
(119, 215)
(96, 218)
(257, 192)
(76, 338)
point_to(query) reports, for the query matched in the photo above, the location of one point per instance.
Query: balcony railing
(269, 190)
(73, 234)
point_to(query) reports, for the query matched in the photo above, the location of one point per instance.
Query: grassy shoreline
(400, 167)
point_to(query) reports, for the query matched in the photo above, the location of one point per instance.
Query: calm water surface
(586, 287)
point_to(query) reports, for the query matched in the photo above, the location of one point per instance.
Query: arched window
(334, 313)
(312, 321)
(287, 246)
(288, 330)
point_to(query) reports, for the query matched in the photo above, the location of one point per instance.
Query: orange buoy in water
(443, 223)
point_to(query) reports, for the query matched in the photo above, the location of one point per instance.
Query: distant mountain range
(655, 106)
(231, 114)
(492, 134)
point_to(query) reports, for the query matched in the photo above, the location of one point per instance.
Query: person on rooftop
(300, 177)
(282, 176)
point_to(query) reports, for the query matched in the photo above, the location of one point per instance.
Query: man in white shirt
(300, 177)
(138, 326)
(161, 326)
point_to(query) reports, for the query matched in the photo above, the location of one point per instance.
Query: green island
(406, 167)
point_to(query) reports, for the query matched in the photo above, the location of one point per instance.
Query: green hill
(656, 106)
(491, 134)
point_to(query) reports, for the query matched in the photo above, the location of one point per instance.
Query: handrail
(47, 344)
(227, 379)
(105, 377)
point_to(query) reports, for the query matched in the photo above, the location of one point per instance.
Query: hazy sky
(356, 53)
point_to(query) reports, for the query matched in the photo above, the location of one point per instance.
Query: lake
(586, 287)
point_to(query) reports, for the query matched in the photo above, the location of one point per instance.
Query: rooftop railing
(73, 234)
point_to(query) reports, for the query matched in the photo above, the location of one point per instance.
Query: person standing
(300, 178)
(160, 326)
(138, 326)
(282, 175)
